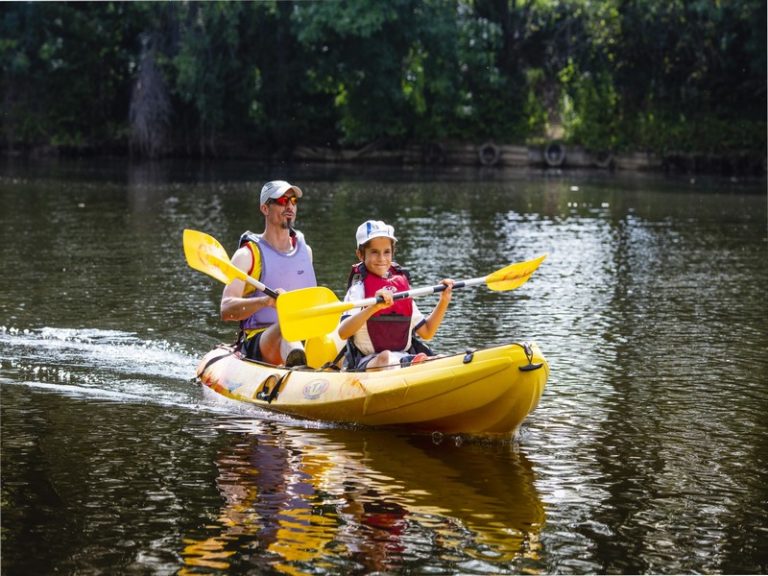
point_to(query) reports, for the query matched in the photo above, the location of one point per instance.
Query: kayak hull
(489, 391)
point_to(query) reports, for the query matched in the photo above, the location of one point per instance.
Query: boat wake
(102, 364)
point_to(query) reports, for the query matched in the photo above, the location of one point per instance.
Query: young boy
(381, 335)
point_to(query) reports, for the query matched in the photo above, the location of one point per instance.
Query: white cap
(371, 229)
(277, 188)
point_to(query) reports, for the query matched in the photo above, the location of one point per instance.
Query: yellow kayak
(489, 391)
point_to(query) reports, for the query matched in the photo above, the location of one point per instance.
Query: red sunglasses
(283, 200)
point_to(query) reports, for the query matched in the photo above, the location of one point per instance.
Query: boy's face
(377, 256)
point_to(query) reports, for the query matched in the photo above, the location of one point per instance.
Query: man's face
(282, 211)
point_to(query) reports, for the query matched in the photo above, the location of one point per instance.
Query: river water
(648, 452)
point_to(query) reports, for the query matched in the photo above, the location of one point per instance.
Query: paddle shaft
(417, 292)
(259, 286)
(236, 272)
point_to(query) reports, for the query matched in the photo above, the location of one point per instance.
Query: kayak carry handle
(530, 367)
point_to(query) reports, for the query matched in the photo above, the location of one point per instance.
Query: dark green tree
(263, 77)
(691, 75)
(67, 72)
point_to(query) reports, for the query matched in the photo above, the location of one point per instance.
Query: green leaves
(268, 76)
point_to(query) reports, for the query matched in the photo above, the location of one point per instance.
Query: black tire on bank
(604, 159)
(488, 154)
(554, 154)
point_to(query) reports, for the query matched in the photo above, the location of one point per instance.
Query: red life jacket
(388, 329)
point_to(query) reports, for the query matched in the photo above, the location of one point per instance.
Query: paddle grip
(270, 292)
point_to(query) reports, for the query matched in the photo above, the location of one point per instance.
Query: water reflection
(327, 501)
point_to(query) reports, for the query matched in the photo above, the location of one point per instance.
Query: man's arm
(234, 307)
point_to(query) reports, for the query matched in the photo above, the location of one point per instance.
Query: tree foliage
(214, 78)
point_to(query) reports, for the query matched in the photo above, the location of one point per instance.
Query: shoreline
(487, 155)
(141, 171)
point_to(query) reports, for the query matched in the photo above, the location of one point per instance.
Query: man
(280, 259)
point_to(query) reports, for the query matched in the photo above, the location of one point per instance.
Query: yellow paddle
(205, 254)
(310, 312)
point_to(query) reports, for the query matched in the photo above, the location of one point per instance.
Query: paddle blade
(205, 254)
(323, 349)
(514, 275)
(309, 312)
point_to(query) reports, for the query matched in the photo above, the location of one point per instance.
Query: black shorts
(250, 347)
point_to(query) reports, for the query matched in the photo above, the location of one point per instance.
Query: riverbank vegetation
(261, 78)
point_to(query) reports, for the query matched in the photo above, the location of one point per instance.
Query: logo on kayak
(313, 390)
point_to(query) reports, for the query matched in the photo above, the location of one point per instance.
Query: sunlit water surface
(648, 452)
